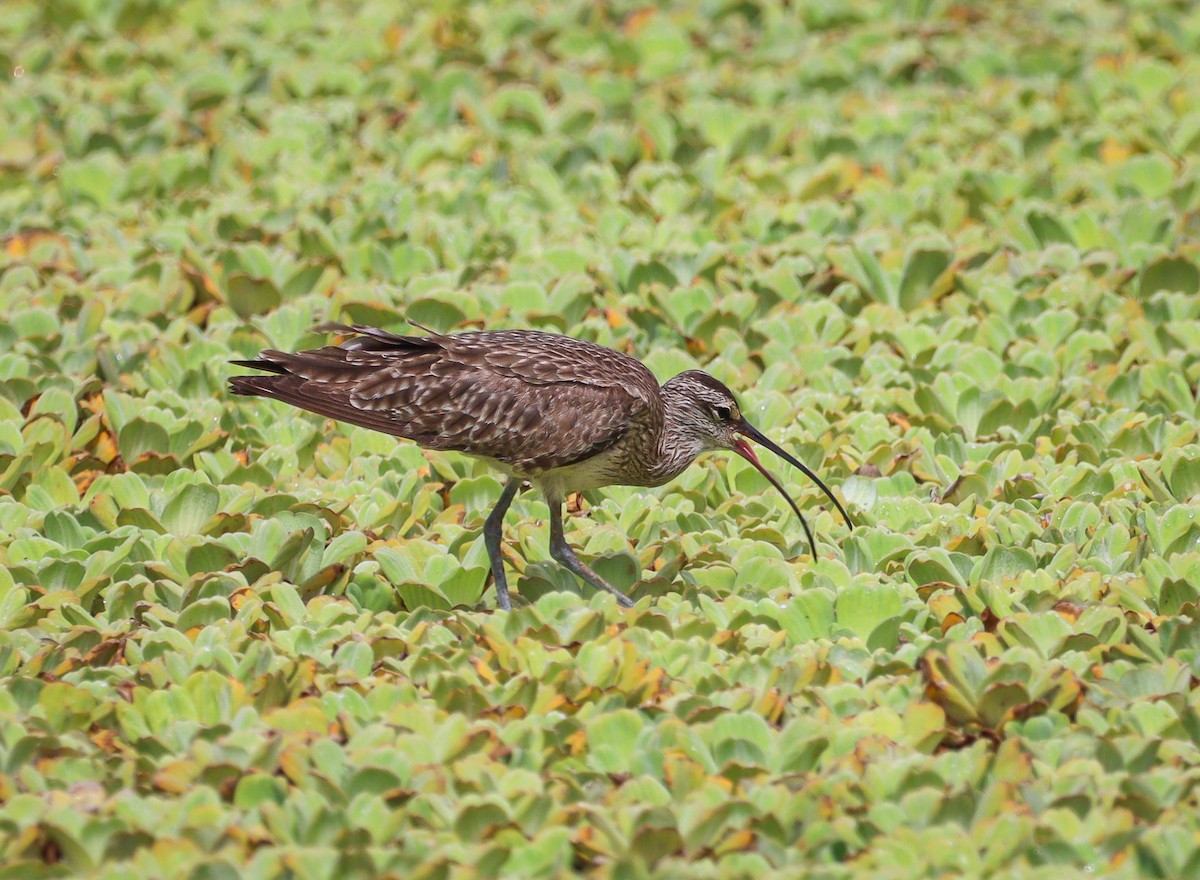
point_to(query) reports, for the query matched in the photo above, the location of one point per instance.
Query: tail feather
(366, 330)
(300, 393)
(253, 386)
(262, 364)
(364, 338)
(318, 380)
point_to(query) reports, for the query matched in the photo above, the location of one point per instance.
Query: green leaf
(1048, 229)
(256, 789)
(437, 313)
(763, 574)
(612, 740)
(301, 282)
(524, 297)
(622, 570)
(288, 601)
(808, 616)
(1169, 273)
(190, 510)
(1151, 175)
(12, 600)
(922, 277)
(862, 609)
(208, 557)
(481, 820)
(249, 296)
(344, 547)
(1003, 562)
(934, 565)
(447, 577)
(140, 437)
(202, 612)
(99, 179)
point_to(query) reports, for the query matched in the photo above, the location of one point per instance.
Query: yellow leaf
(176, 777)
(638, 20)
(485, 672)
(1113, 152)
(735, 842)
(393, 36)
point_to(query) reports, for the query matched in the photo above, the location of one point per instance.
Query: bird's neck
(677, 447)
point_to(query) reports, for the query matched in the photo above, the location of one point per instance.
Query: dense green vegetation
(946, 252)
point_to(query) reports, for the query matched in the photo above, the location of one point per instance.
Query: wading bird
(560, 413)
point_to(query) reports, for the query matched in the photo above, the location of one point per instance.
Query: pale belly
(606, 469)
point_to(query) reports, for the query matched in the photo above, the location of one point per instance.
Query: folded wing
(531, 400)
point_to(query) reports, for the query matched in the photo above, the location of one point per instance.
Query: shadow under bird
(560, 413)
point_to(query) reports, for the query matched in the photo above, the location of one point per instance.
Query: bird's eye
(722, 412)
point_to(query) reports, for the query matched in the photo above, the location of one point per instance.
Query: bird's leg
(562, 551)
(493, 533)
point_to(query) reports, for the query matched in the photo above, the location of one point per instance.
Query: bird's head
(707, 414)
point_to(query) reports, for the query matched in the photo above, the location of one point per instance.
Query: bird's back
(529, 400)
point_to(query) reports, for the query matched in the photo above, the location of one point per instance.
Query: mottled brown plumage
(562, 413)
(529, 400)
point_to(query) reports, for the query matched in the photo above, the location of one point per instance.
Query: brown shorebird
(560, 413)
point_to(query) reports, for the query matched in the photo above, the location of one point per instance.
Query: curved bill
(746, 451)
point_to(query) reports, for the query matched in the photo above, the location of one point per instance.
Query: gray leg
(561, 551)
(493, 532)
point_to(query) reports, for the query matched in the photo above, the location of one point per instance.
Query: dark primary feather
(531, 400)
